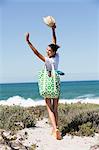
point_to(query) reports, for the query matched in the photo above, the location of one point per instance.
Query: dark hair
(54, 47)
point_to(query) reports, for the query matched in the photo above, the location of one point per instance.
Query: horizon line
(37, 82)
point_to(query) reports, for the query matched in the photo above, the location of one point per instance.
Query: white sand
(41, 136)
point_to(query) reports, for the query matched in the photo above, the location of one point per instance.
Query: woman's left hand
(54, 26)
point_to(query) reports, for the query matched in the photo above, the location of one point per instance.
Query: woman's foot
(57, 134)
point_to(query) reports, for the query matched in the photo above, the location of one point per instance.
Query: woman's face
(50, 52)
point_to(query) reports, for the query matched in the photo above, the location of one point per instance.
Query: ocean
(27, 94)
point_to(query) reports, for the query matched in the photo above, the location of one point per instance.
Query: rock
(8, 135)
(17, 145)
(11, 141)
(5, 147)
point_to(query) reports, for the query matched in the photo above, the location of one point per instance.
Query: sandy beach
(41, 136)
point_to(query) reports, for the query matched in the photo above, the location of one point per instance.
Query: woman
(52, 58)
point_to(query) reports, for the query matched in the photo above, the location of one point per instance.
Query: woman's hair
(54, 47)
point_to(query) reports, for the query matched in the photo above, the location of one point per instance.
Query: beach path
(41, 136)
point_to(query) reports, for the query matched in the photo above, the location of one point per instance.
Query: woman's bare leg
(55, 109)
(51, 113)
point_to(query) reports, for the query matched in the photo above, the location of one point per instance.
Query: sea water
(27, 94)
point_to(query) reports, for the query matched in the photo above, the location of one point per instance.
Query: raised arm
(34, 49)
(54, 35)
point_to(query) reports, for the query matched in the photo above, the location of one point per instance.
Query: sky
(77, 33)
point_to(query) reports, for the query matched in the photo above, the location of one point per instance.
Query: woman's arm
(34, 49)
(53, 34)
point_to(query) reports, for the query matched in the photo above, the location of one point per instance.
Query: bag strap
(44, 81)
(53, 73)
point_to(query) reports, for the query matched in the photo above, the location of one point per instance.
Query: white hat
(49, 20)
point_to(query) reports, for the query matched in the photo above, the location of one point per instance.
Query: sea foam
(18, 100)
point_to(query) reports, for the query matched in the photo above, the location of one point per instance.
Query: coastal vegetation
(75, 119)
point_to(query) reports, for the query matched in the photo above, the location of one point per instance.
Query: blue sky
(77, 34)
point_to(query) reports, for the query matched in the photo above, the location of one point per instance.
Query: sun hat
(49, 20)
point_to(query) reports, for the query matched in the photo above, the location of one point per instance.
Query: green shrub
(15, 118)
(33, 147)
(39, 111)
(86, 129)
(72, 117)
